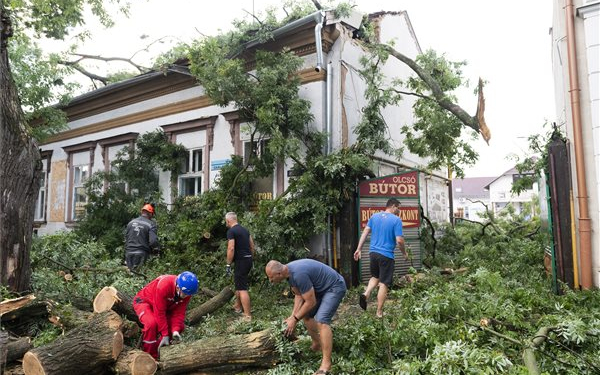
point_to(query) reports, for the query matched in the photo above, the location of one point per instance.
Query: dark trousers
(135, 259)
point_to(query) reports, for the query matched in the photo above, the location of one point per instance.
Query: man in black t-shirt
(240, 249)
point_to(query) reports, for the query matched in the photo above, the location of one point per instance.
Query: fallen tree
(110, 298)
(213, 304)
(88, 349)
(256, 349)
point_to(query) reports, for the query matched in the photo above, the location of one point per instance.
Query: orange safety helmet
(149, 208)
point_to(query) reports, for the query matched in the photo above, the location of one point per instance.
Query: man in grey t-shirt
(318, 290)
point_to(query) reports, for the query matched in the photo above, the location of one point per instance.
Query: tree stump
(110, 298)
(87, 349)
(135, 362)
(250, 350)
(210, 306)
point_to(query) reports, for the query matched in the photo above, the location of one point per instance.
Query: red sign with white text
(409, 216)
(401, 186)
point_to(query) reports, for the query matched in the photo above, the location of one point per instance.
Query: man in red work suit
(160, 307)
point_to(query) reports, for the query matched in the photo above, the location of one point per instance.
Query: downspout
(319, 18)
(328, 122)
(585, 238)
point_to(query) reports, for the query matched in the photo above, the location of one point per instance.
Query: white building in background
(500, 193)
(471, 198)
(102, 122)
(579, 108)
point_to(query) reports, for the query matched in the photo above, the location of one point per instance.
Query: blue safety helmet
(187, 282)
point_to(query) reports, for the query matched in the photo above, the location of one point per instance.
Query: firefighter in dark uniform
(141, 238)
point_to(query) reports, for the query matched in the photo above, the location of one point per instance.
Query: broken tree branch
(476, 122)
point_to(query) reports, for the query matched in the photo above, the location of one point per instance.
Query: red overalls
(159, 311)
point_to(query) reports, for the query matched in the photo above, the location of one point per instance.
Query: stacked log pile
(93, 342)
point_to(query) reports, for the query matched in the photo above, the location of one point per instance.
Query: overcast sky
(507, 43)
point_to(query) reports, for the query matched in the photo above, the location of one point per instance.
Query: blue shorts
(328, 302)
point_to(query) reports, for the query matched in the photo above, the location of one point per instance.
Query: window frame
(89, 147)
(205, 123)
(46, 156)
(197, 174)
(125, 140)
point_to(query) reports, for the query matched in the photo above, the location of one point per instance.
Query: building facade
(104, 121)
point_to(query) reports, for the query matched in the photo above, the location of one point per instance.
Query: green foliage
(535, 163)
(437, 134)
(56, 19)
(41, 78)
(67, 268)
(431, 326)
(40, 84)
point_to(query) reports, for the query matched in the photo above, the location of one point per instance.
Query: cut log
(26, 307)
(210, 306)
(67, 317)
(16, 349)
(110, 298)
(135, 362)
(241, 351)
(87, 349)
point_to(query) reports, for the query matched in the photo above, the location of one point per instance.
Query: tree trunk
(110, 298)
(241, 351)
(88, 349)
(210, 306)
(16, 349)
(135, 362)
(20, 170)
(68, 317)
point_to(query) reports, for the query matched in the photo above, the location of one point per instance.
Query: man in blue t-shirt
(386, 233)
(318, 290)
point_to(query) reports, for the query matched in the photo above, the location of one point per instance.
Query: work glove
(228, 270)
(176, 335)
(164, 341)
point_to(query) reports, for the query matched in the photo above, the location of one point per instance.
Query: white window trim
(197, 175)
